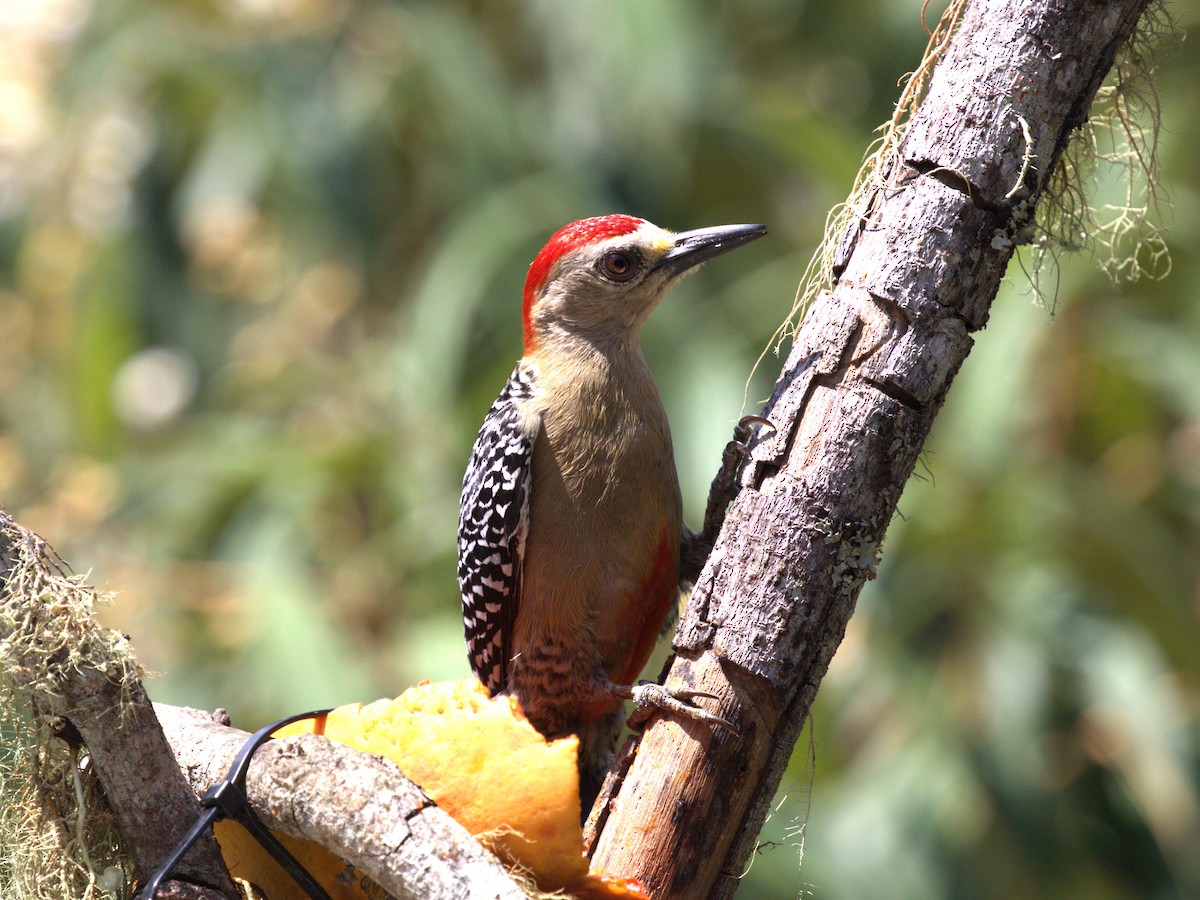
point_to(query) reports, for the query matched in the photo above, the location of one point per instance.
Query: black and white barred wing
(492, 524)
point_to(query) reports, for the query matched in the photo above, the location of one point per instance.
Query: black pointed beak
(691, 248)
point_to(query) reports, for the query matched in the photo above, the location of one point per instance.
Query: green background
(260, 266)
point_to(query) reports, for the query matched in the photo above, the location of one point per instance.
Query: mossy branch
(70, 687)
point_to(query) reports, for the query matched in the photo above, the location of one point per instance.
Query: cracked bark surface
(359, 806)
(853, 405)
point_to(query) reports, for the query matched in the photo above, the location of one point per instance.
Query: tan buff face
(604, 290)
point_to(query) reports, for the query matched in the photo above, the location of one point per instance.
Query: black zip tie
(227, 800)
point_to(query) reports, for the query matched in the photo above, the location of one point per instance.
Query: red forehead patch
(566, 239)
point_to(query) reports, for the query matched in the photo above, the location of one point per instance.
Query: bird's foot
(724, 486)
(695, 546)
(650, 697)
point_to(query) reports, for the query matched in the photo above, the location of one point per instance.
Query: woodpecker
(570, 524)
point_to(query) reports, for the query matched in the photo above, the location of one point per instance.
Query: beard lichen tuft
(1117, 145)
(58, 837)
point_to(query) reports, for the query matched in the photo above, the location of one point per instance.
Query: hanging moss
(58, 837)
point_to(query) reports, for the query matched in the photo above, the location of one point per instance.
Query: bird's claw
(741, 431)
(650, 697)
(737, 450)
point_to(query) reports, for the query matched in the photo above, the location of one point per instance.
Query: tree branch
(868, 371)
(359, 806)
(68, 666)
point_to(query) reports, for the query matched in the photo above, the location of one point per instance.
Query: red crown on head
(566, 239)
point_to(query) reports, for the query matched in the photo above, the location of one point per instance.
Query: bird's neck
(565, 361)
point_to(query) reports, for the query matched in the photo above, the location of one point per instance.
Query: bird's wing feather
(492, 525)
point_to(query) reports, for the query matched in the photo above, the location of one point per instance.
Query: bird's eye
(618, 265)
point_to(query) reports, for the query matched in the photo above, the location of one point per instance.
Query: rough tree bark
(869, 370)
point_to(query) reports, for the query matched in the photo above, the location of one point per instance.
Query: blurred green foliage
(259, 273)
